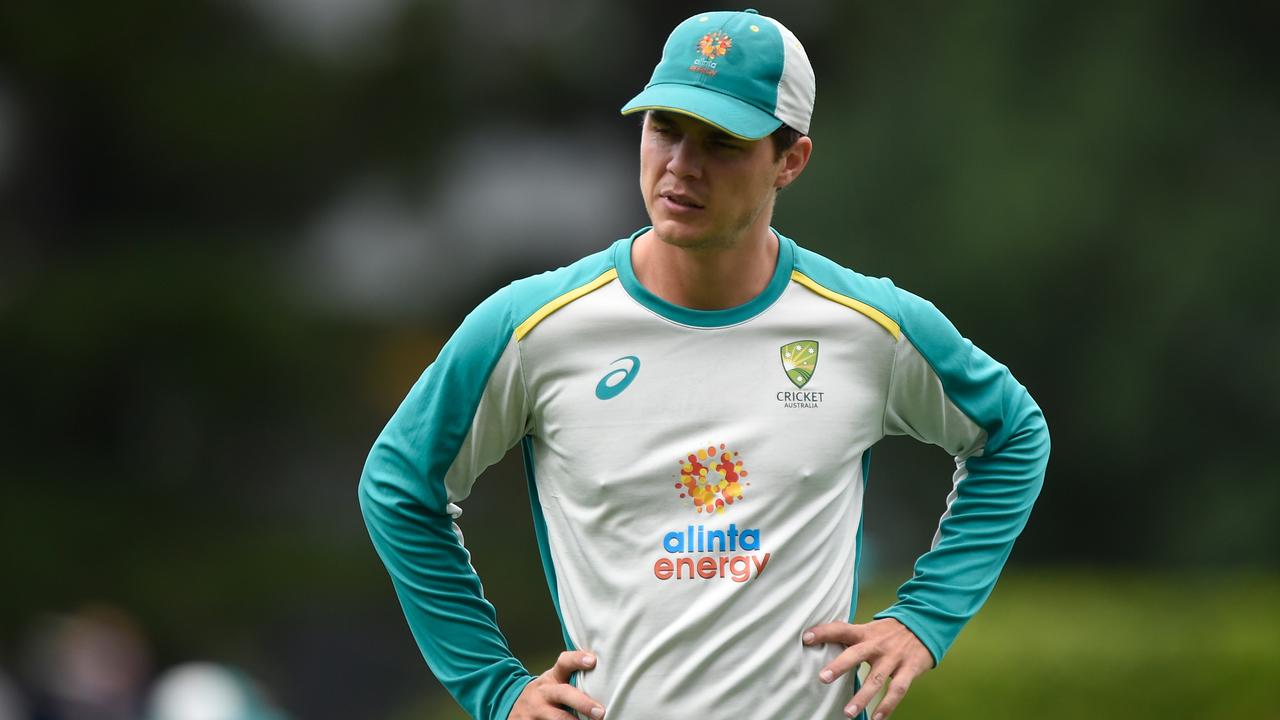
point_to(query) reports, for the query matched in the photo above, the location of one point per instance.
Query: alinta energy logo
(712, 478)
(712, 46)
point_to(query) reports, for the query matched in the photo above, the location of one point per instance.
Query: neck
(706, 278)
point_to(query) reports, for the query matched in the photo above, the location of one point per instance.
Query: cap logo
(712, 45)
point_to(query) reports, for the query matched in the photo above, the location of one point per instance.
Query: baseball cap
(742, 72)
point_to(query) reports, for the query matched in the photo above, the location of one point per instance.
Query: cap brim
(730, 114)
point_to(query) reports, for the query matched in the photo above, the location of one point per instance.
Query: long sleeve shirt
(697, 480)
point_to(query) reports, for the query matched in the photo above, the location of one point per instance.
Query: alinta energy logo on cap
(714, 44)
(741, 72)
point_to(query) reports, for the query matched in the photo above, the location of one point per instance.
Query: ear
(793, 162)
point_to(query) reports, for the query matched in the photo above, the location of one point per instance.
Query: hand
(543, 698)
(893, 651)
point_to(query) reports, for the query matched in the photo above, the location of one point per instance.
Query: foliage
(1060, 645)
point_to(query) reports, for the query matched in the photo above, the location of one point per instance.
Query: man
(696, 405)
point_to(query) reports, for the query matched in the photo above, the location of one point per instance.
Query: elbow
(1042, 435)
(1039, 432)
(366, 492)
(1028, 444)
(392, 489)
(1030, 428)
(372, 489)
(1037, 444)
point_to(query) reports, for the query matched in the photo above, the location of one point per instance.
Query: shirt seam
(946, 393)
(888, 395)
(763, 311)
(524, 385)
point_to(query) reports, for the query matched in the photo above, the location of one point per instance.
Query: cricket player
(696, 404)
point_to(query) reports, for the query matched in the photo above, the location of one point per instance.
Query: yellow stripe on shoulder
(541, 314)
(880, 318)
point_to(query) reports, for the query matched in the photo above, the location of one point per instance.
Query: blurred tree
(1086, 190)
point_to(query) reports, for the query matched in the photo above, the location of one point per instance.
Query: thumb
(572, 661)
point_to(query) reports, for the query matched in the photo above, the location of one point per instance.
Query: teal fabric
(540, 533)
(879, 293)
(862, 523)
(706, 318)
(404, 502)
(737, 90)
(724, 112)
(951, 582)
(405, 506)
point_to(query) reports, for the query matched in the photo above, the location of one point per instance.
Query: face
(705, 189)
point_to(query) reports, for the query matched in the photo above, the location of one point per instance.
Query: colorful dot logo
(712, 478)
(714, 44)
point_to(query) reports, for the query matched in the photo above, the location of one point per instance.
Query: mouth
(681, 200)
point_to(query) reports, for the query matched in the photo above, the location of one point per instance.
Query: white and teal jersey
(697, 480)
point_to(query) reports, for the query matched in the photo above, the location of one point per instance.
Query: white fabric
(606, 472)
(920, 408)
(797, 88)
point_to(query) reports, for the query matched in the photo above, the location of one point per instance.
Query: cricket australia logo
(799, 362)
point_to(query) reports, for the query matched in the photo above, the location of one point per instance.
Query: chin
(681, 235)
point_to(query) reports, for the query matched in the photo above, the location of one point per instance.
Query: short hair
(783, 138)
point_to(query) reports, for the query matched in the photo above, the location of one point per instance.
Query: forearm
(948, 392)
(463, 414)
(992, 501)
(455, 627)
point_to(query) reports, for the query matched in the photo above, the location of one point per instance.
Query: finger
(851, 658)
(571, 661)
(534, 705)
(876, 680)
(840, 632)
(551, 712)
(898, 687)
(570, 696)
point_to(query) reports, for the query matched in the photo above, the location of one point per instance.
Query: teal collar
(705, 318)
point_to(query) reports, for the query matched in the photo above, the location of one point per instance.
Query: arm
(462, 415)
(947, 392)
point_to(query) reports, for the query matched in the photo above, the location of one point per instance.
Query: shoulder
(905, 312)
(875, 297)
(507, 310)
(489, 330)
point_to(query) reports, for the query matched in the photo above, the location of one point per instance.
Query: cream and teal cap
(743, 72)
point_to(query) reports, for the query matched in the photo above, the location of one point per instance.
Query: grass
(1080, 644)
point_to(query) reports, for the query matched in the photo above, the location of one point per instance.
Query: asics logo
(615, 381)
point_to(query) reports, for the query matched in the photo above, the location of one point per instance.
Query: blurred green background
(233, 232)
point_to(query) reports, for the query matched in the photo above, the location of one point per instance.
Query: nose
(686, 158)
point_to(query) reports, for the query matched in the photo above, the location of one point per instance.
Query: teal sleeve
(960, 398)
(407, 507)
